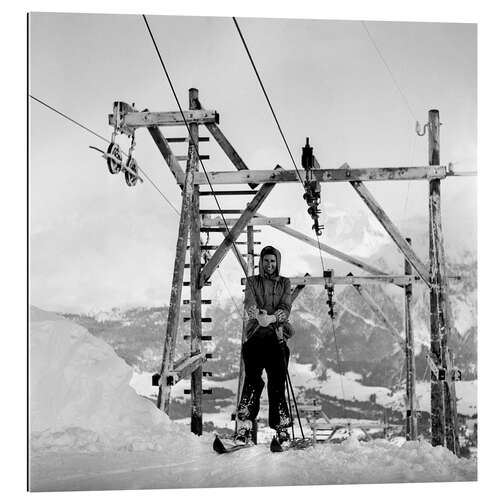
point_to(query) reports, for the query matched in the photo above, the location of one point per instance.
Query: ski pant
(261, 352)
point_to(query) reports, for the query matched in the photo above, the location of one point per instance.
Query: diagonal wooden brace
(226, 146)
(296, 291)
(167, 153)
(328, 249)
(235, 231)
(394, 233)
(182, 369)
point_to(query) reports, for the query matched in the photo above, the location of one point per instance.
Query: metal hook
(419, 131)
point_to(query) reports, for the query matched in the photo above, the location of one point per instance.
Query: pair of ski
(220, 447)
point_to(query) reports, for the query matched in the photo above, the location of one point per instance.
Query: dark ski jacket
(268, 293)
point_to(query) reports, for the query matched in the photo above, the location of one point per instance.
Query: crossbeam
(254, 221)
(353, 280)
(324, 175)
(164, 118)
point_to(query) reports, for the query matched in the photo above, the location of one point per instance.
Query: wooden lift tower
(194, 221)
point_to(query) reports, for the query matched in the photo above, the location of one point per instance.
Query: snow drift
(80, 397)
(91, 431)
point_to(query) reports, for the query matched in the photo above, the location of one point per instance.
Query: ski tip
(218, 445)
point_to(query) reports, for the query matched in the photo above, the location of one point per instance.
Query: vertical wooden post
(443, 405)
(411, 417)
(195, 268)
(176, 292)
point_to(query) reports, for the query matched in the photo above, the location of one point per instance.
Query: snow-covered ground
(90, 430)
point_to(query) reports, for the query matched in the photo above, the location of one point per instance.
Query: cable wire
(389, 70)
(267, 99)
(108, 142)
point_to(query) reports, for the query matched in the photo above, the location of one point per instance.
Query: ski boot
(281, 441)
(243, 432)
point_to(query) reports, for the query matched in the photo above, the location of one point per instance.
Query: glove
(252, 312)
(265, 319)
(280, 315)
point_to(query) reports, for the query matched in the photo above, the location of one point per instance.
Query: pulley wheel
(115, 162)
(130, 178)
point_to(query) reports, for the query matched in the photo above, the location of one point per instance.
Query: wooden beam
(411, 416)
(235, 231)
(167, 154)
(226, 146)
(443, 401)
(195, 264)
(176, 289)
(353, 280)
(254, 221)
(328, 249)
(182, 370)
(394, 233)
(165, 118)
(323, 175)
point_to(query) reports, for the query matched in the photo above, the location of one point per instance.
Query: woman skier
(268, 304)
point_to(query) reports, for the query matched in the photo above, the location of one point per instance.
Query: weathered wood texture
(326, 248)
(254, 221)
(394, 233)
(195, 265)
(166, 118)
(167, 154)
(443, 401)
(353, 280)
(235, 231)
(176, 289)
(323, 175)
(411, 416)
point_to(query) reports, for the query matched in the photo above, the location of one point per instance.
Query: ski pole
(279, 333)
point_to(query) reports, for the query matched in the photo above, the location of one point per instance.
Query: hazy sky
(96, 243)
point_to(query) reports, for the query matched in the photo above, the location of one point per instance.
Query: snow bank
(80, 397)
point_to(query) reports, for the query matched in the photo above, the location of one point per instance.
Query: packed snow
(90, 430)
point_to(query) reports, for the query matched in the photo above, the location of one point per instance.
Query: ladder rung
(205, 247)
(184, 157)
(207, 391)
(185, 139)
(203, 320)
(212, 211)
(231, 193)
(210, 229)
(203, 301)
(188, 283)
(203, 337)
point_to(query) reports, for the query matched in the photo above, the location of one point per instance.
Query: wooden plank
(323, 175)
(184, 369)
(211, 211)
(195, 261)
(166, 118)
(235, 231)
(176, 290)
(185, 139)
(352, 280)
(226, 146)
(380, 314)
(186, 157)
(255, 221)
(393, 232)
(167, 154)
(326, 248)
(411, 416)
(246, 192)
